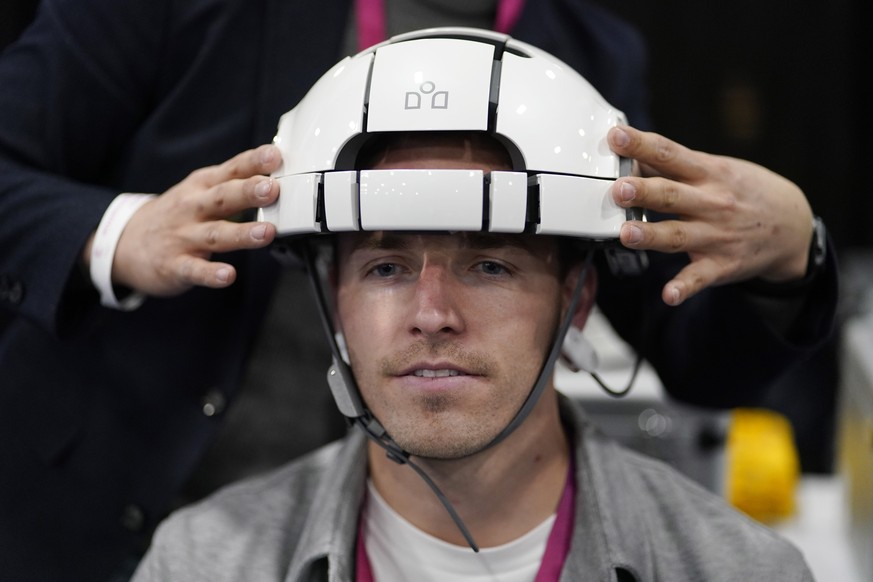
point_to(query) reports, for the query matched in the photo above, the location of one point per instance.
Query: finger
(656, 154)
(259, 161)
(222, 236)
(235, 196)
(670, 197)
(666, 236)
(191, 270)
(690, 281)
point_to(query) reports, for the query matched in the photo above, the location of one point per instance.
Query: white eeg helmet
(550, 119)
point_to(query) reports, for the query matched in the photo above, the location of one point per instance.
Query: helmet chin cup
(347, 399)
(577, 351)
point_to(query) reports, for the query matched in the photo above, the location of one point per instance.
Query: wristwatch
(819, 246)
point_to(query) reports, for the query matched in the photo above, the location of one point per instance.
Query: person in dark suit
(109, 418)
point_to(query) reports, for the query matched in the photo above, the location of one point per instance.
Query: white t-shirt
(398, 550)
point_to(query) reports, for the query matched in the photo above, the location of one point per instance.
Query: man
(447, 345)
(110, 418)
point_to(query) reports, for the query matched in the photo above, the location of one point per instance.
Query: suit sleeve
(74, 87)
(716, 349)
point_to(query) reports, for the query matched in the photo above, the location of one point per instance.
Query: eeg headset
(551, 120)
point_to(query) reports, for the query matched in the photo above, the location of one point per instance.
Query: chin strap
(373, 429)
(347, 396)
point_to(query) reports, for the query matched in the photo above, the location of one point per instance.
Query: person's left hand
(735, 219)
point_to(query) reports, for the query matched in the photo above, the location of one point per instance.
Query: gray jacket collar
(326, 550)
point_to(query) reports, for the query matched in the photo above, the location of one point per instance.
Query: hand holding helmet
(735, 219)
(165, 247)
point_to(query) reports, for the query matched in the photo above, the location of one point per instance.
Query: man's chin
(444, 445)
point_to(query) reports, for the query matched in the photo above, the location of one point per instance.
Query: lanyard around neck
(373, 28)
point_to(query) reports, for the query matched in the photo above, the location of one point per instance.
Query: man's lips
(437, 373)
(435, 370)
(438, 376)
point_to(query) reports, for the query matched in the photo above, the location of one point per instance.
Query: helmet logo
(438, 99)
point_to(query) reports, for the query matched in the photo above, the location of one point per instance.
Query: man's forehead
(379, 240)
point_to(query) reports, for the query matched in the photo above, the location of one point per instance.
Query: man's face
(446, 333)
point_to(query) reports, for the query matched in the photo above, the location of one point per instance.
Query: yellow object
(762, 464)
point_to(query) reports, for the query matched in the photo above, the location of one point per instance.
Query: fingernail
(673, 295)
(223, 275)
(634, 234)
(627, 192)
(262, 189)
(620, 137)
(259, 232)
(266, 155)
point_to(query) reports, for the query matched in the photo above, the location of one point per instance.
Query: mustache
(472, 362)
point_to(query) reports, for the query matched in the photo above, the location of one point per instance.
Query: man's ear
(588, 296)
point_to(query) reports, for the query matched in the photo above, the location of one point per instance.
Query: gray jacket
(636, 519)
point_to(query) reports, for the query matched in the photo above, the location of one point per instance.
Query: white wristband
(103, 249)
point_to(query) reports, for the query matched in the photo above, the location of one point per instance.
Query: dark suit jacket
(101, 412)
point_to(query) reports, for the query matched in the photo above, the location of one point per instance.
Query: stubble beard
(444, 425)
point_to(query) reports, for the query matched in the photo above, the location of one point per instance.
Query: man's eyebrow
(481, 240)
(380, 241)
(399, 241)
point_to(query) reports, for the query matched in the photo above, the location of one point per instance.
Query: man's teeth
(436, 373)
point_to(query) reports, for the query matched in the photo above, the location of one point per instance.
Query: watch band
(819, 247)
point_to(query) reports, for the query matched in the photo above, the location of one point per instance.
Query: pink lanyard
(372, 27)
(557, 546)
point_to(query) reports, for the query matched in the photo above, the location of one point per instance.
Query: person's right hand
(166, 247)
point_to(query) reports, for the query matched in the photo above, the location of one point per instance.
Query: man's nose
(435, 304)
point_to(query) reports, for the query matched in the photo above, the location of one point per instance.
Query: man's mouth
(437, 373)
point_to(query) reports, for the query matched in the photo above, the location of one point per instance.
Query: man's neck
(500, 493)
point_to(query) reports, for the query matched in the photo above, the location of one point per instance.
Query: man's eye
(385, 270)
(492, 268)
